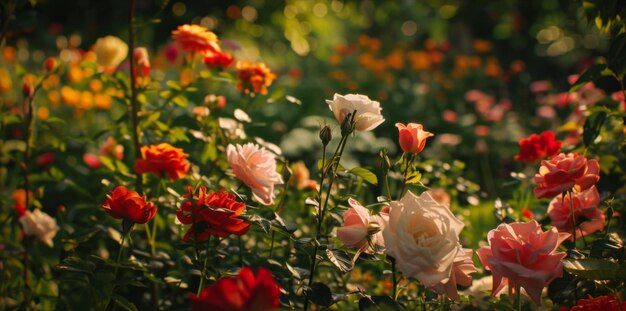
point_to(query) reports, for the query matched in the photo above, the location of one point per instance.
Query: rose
(128, 205)
(217, 59)
(142, 59)
(604, 303)
(423, 237)
(244, 292)
(368, 115)
(521, 254)
(195, 38)
(39, 224)
(360, 229)
(110, 51)
(412, 137)
(163, 158)
(462, 267)
(253, 78)
(214, 214)
(566, 173)
(585, 206)
(256, 167)
(537, 147)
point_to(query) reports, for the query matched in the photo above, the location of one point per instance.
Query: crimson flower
(128, 205)
(244, 292)
(538, 147)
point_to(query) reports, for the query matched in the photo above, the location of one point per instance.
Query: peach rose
(256, 167)
(41, 225)
(585, 206)
(360, 229)
(195, 38)
(462, 267)
(565, 173)
(523, 254)
(412, 137)
(423, 237)
(110, 51)
(368, 115)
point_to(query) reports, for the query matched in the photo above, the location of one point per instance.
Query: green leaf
(595, 269)
(122, 302)
(181, 101)
(320, 294)
(173, 85)
(413, 178)
(366, 174)
(592, 127)
(340, 259)
(385, 303)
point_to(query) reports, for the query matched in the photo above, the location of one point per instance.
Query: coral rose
(39, 224)
(412, 137)
(538, 147)
(162, 158)
(214, 214)
(195, 38)
(110, 51)
(256, 167)
(245, 292)
(360, 229)
(521, 254)
(253, 78)
(565, 173)
(462, 267)
(423, 237)
(588, 216)
(128, 205)
(368, 112)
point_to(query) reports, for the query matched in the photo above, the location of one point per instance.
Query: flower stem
(134, 104)
(571, 207)
(518, 298)
(408, 162)
(203, 272)
(394, 278)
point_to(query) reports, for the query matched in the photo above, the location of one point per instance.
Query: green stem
(203, 272)
(518, 298)
(394, 278)
(134, 104)
(408, 162)
(571, 207)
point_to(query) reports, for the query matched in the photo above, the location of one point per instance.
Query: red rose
(45, 159)
(163, 158)
(566, 173)
(538, 147)
(215, 214)
(217, 59)
(128, 205)
(607, 303)
(245, 292)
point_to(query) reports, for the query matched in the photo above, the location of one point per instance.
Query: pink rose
(423, 237)
(523, 254)
(412, 137)
(585, 205)
(462, 267)
(359, 227)
(565, 173)
(256, 167)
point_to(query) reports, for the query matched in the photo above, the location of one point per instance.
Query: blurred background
(478, 74)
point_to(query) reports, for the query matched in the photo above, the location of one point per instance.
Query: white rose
(423, 237)
(41, 225)
(368, 115)
(110, 51)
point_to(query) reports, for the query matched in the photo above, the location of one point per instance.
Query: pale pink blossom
(523, 254)
(423, 237)
(585, 207)
(256, 167)
(368, 112)
(360, 229)
(40, 225)
(462, 267)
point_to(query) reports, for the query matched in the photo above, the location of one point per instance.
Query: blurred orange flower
(195, 38)
(163, 158)
(254, 78)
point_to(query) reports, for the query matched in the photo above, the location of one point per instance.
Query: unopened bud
(326, 135)
(384, 163)
(50, 64)
(27, 89)
(347, 126)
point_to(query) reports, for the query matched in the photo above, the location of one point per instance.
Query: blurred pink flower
(565, 173)
(521, 254)
(40, 225)
(540, 86)
(585, 206)
(256, 167)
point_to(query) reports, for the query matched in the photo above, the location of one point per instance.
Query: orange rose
(195, 38)
(163, 158)
(128, 205)
(254, 78)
